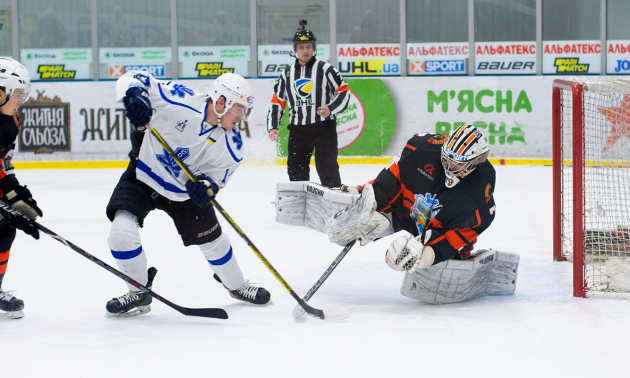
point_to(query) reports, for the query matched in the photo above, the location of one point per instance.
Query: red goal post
(591, 183)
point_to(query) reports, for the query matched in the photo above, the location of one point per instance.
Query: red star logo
(620, 119)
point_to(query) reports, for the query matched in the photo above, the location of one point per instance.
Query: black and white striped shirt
(307, 88)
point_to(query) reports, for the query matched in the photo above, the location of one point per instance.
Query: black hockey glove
(199, 190)
(138, 107)
(21, 223)
(21, 199)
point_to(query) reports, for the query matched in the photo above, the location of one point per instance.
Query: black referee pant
(321, 136)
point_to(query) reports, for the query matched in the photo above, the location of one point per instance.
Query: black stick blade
(217, 313)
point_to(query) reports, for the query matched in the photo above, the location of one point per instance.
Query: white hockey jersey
(180, 120)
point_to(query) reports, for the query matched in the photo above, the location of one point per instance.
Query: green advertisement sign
(367, 125)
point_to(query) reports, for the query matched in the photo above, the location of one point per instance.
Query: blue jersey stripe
(223, 259)
(126, 255)
(175, 103)
(166, 185)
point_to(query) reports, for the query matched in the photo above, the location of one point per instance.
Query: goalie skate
(10, 305)
(133, 303)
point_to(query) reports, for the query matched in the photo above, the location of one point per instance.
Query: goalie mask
(15, 79)
(463, 151)
(236, 90)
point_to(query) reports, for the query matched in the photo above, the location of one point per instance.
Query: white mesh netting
(606, 174)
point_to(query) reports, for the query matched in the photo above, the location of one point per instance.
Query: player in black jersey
(439, 189)
(315, 92)
(14, 91)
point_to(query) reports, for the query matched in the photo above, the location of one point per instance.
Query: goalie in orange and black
(14, 92)
(439, 189)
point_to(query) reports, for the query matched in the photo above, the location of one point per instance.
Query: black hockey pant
(322, 137)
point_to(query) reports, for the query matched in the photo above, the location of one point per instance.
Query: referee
(316, 92)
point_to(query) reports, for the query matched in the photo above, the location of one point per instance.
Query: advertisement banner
(437, 58)
(213, 61)
(122, 59)
(365, 59)
(572, 57)
(365, 127)
(275, 58)
(45, 125)
(57, 64)
(512, 113)
(505, 58)
(618, 57)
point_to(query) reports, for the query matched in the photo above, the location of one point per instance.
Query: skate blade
(11, 315)
(131, 313)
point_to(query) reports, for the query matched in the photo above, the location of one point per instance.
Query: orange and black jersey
(9, 129)
(413, 187)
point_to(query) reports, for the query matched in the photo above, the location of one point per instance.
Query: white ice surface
(541, 331)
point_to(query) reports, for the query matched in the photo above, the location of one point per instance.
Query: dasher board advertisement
(437, 58)
(275, 58)
(618, 57)
(505, 58)
(213, 61)
(368, 59)
(122, 59)
(57, 64)
(572, 57)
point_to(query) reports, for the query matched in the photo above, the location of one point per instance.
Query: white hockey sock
(124, 242)
(223, 262)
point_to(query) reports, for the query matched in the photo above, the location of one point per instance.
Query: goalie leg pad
(360, 220)
(453, 281)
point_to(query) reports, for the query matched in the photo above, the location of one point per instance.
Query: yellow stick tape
(249, 162)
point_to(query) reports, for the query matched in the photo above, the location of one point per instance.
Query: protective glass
(21, 95)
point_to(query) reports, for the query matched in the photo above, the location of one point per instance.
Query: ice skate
(10, 305)
(134, 303)
(248, 293)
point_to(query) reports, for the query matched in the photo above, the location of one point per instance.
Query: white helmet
(13, 75)
(235, 89)
(463, 151)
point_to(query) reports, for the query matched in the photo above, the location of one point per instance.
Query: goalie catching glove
(407, 253)
(357, 221)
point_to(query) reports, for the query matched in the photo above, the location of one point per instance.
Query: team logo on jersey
(238, 140)
(488, 192)
(425, 209)
(181, 125)
(169, 163)
(181, 90)
(440, 139)
(304, 87)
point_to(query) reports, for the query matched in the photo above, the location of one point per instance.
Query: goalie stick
(298, 310)
(332, 314)
(201, 312)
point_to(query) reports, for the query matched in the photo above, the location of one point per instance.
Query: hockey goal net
(591, 183)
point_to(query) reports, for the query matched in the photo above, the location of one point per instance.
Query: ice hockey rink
(540, 331)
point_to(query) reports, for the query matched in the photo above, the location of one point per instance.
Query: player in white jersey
(202, 130)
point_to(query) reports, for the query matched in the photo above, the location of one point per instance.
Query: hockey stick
(298, 310)
(333, 314)
(202, 312)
